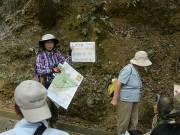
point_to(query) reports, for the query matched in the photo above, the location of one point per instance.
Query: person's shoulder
(53, 131)
(40, 54)
(9, 132)
(56, 51)
(127, 68)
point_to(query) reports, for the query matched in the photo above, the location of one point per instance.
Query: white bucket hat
(141, 59)
(30, 96)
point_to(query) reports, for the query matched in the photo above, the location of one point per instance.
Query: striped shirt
(51, 60)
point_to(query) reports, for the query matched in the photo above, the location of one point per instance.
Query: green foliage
(111, 24)
(93, 18)
(146, 69)
(97, 30)
(133, 2)
(84, 31)
(156, 79)
(103, 18)
(80, 19)
(15, 78)
(1, 75)
(95, 26)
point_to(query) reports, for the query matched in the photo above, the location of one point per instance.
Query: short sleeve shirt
(132, 84)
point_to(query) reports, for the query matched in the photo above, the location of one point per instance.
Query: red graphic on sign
(176, 91)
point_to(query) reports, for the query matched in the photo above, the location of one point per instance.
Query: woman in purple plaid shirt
(46, 64)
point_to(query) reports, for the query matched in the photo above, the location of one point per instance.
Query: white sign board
(176, 88)
(83, 51)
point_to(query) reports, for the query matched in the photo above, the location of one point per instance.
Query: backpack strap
(43, 58)
(55, 53)
(40, 130)
(130, 67)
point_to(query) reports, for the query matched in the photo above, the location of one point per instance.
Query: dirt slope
(134, 28)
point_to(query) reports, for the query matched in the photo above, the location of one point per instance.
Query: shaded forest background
(119, 28)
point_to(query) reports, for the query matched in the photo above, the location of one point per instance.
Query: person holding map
(47, 65)
(127, 93)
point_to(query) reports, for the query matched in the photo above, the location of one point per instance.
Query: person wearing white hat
(32, 108)
(47, 64)
(127, 93)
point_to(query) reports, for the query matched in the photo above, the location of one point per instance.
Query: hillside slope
(119, 31)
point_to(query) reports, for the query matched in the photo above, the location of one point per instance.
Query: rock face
(120, 29)
(46, 12)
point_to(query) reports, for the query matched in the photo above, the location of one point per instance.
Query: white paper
(64, 85)
(176, 88)
(83, 51)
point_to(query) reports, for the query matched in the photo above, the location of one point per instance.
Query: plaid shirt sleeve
(42, 69)
(61, 59)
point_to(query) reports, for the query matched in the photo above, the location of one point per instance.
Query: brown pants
(127, 113)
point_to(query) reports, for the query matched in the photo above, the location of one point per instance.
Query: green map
(62, 82)
(64, 85)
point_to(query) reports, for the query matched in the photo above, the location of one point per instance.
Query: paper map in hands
(64, 85)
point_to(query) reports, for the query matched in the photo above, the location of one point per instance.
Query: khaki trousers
(127, 113)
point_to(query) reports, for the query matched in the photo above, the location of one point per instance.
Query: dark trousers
(54, 112)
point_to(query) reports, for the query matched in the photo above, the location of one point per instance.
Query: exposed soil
(143, 27)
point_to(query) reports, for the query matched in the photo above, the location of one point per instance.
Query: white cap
(30, 96)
